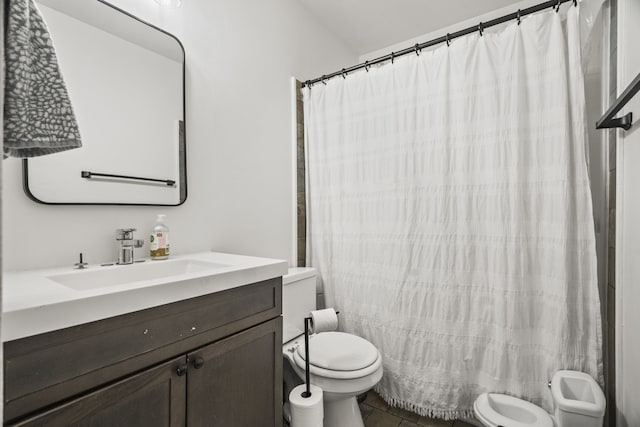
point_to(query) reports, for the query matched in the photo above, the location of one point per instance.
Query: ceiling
(368, 25)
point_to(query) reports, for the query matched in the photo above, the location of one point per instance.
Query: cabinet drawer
(48, 368)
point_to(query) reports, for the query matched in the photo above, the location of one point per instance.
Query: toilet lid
(338, 351)
(502, 410)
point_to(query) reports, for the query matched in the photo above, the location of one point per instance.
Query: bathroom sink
(102, 277)
(39, 301)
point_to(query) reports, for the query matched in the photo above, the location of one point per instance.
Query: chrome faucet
(127, 243)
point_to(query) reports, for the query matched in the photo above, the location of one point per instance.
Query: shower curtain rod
(444, 39)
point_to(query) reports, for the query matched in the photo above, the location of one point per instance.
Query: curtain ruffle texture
(450, 215)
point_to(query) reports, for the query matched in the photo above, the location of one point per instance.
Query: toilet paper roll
(324, 320)
(306, 412)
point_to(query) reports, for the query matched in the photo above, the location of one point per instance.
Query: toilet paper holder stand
(307, 327)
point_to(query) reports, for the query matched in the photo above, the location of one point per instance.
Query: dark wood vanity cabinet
(214, 360)
(240, 368)
(151, 398)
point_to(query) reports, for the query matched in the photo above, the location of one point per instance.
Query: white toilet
(342, 365)
(578, 401)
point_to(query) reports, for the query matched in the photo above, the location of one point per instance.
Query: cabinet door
(151, 398)
(237, 382)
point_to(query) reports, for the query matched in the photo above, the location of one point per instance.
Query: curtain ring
(322, 80)
(480, 28)
(393, 56)
(575, 3)
(308, 84)
(518, 16)
(367, 66)
(558, 6)
(344, 73)
(416, 47)
(447, 39)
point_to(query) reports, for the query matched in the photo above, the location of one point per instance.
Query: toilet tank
(298, 299)
(578, 399)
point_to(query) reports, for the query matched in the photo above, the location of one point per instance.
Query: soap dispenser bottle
(159, 239)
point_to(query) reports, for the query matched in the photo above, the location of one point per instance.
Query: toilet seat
(339, 355)
(338, 351)
(495, 410)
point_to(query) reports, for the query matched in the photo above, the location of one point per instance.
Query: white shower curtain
(449, 215)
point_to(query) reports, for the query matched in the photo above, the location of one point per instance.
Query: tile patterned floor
(377, 413)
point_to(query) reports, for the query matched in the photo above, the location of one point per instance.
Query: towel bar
(88, 175)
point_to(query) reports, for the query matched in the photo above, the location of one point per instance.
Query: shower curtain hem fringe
(447, 415)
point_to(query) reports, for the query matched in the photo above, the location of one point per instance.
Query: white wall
(385, 50)
(628, 226)
(240, 57)
(588, 12)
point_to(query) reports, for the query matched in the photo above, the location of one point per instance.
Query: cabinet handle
(182, 369)
(198, 362)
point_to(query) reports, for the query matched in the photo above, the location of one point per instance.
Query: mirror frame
(182, 158)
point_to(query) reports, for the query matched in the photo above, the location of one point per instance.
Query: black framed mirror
(126, 81)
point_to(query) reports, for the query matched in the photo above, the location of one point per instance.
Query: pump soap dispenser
(159, 239)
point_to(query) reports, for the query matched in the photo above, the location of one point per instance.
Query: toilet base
(341, 411)
(339, 395)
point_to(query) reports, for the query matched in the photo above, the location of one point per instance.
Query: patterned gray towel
(38, 118)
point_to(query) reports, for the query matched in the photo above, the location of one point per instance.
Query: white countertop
(32, 303)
